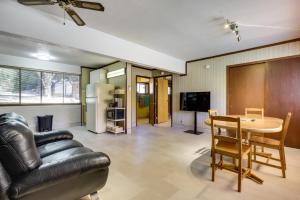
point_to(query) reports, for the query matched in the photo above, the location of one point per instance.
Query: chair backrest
(212, 112)
(254, 112)
(285, 128)
(225, 119)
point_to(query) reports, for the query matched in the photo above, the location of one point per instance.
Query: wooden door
(152, 102)
(162, 100)
(245, 88)
(282, 95)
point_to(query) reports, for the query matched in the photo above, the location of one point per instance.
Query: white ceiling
(189, 29)
(25, 47)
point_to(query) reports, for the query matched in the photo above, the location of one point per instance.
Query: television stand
(195, 126)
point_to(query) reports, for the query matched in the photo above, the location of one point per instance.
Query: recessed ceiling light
(43, 56)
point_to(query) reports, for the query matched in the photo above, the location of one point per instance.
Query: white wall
(30, 22)
(64, 115)
(214, 79)
(134, 72)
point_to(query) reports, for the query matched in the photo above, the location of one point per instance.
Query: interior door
(246, 87)
(152, 102)
(282, 95)
(162, 100)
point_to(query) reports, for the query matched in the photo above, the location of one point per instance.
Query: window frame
(147, 86)
(41, 90)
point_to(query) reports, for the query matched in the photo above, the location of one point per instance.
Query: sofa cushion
(63, 155)
(54, 147)
(18, 152)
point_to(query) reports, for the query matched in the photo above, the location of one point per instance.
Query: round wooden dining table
(266, 125)
(252, 125)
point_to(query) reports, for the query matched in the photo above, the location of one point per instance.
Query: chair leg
(250, 160)
(283, 154)
(221, 159)
(94, 196)
(213, 166)
(254, 152)
(240, 175)
(282, 162)
(234, 161)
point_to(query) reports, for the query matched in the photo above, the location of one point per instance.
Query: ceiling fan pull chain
(64, 17)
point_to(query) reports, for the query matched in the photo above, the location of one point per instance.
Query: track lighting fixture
(234, 27)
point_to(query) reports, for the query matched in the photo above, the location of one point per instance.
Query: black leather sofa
(46, 166)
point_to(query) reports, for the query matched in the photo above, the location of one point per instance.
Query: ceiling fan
(66, 5)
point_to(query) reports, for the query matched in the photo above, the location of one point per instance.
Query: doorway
(163, 100)
(142, 100)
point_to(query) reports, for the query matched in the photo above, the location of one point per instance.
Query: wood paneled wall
(274, 86)
(199, 78)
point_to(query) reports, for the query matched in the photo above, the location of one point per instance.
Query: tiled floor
(157, 163)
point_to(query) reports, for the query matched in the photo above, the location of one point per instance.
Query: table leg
(248, 137)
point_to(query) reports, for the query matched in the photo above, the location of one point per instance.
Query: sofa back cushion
(18, 152)
(5, 182)
(12, 116)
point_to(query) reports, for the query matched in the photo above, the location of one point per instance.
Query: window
(71, 89)
(9, 85)
(22, 86)
(142, 88)
(30, 86)
(52, 87)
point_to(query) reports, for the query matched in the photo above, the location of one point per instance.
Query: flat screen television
(195, 101)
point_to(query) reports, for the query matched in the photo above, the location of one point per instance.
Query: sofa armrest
(52, 136)
(49, 174)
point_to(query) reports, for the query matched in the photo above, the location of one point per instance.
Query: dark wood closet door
(245, 88)
(282, 95)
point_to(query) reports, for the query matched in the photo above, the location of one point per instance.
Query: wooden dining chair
(254, 112)
(230, 146)
(273, 144)
(212, 112)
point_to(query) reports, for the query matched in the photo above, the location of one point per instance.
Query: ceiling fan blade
(88, 5)
(76, 18)
(36, 2)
